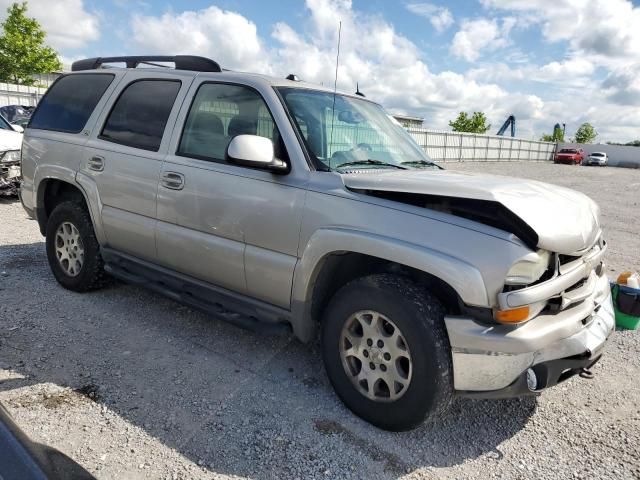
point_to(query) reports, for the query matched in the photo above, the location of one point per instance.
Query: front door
(232, 226)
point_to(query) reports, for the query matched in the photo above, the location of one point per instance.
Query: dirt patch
(58, 399)
(90, 391)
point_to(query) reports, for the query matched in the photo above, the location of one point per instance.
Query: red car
(572, 156)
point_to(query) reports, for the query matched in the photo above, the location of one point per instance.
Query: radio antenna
(335, 87)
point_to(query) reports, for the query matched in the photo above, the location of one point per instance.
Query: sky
(545, 61)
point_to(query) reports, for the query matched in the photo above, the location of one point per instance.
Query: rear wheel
(72, 248)
(386, 351)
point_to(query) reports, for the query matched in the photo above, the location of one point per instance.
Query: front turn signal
(514, 315)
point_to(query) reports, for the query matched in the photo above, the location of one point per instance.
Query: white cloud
(226, 36)
(622, 86)
(594, 78)
(440, 17)
(480, 34)
(606, 30)
(67, 23)
(601, 37)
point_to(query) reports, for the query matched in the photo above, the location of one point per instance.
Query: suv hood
(10, 140)
(564, 220)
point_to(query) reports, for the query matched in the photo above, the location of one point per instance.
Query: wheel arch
(52, 190)
(333, 257)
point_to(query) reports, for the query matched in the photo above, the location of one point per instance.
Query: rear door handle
(172, 180)
(96, 163)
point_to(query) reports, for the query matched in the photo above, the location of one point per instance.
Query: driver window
(220, 112)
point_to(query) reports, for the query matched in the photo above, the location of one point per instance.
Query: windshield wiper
(371, 162)
(421, 162)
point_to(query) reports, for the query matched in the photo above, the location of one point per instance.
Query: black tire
(420, 318)
(91, 274)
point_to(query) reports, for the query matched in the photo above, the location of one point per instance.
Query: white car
(10, 144)
(597, 158)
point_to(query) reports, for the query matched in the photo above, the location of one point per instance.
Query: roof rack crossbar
(182, 62)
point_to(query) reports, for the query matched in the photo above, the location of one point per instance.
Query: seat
(204, 136)
(241, 125)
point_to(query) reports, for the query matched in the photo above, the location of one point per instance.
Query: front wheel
(386, 351)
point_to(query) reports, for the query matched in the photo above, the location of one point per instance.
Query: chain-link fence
(446, 146)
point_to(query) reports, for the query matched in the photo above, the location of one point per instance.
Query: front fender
(464, 278)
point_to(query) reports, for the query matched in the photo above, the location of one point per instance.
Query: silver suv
(283, 206)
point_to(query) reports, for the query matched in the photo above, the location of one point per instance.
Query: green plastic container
(623, 320)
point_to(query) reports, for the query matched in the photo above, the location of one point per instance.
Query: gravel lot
(133, 385)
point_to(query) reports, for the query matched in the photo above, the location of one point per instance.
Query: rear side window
(68, 104)
(140, 114)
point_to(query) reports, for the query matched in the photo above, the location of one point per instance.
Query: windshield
(568, 150)
(351, 132)
(597, 154)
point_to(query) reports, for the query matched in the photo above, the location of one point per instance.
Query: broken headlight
(529, 268)
(10, 156)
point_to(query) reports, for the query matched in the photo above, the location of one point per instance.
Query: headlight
(529, 268)
(11, 156)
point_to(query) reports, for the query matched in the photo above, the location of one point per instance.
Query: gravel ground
(132, 385)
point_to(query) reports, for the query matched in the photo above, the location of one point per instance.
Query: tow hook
(586, 373)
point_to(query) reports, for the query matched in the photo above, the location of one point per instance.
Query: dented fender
(464, 278)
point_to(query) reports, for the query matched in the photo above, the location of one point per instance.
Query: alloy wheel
(375, 356)
(69, 249)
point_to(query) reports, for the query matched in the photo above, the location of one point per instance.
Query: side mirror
(256, 152)
(17, 128)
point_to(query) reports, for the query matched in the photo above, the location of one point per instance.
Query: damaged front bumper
(10, 177)
(504, 361)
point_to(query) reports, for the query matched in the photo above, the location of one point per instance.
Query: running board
(223, 305)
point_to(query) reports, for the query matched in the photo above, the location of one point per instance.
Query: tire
(419, 317)
(71, 221)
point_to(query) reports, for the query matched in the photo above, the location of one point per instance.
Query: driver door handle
(172, 180)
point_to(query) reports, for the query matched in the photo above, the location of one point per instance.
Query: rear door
(124, 156)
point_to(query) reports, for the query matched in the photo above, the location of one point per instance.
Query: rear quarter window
(70, 101)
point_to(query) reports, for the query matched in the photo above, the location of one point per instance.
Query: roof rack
(182, 62)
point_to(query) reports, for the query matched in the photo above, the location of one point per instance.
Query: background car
(14, 113)
(10, 145)
(572, 156)
(597, 158)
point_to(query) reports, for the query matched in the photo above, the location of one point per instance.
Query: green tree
(556, 136)
(477, 123)
(585, 133)
(23, 52)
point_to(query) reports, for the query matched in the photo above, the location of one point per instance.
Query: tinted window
(597, 155)
(218, 113)
(140, 114)
(69, 102)
(568, 150)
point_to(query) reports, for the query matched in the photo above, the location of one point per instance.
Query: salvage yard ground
(132, 385)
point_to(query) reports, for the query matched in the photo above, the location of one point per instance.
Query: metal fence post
(444, 151)
(486, 152)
